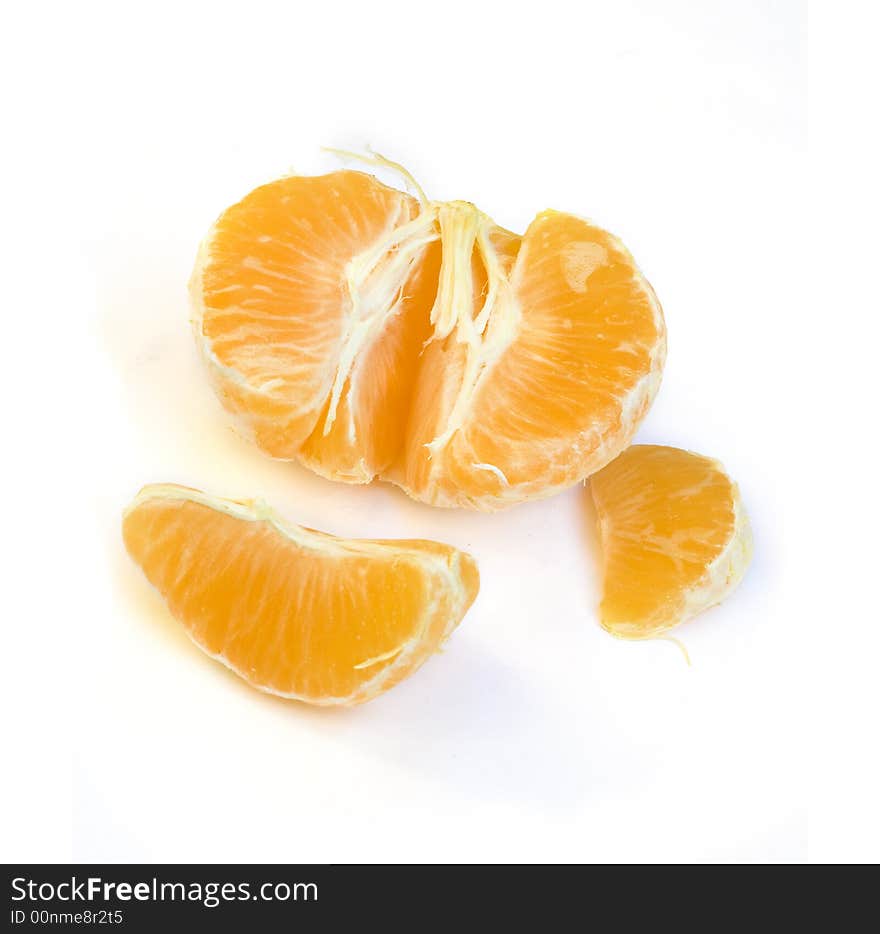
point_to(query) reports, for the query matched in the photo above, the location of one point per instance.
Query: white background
(535, 736)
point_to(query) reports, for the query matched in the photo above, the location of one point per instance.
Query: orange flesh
(293, 611)
(375, 406)
(555, 399)
(274, 290)
(367, 335)
(674, 538)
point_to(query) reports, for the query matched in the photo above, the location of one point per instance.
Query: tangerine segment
(280, 311)
(366, 434)
(295, 612)
(675, 538)
(556, 385)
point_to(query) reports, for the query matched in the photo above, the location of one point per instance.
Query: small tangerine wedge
(367, 333)
(295, 612)
(675, 538)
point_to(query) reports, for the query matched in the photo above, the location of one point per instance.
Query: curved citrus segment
(282, 313)
(296, 612)
(556, 384)
(367, 334)
(675, 538)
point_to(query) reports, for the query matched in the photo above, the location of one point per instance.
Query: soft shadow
(592, 546)
(472, 724)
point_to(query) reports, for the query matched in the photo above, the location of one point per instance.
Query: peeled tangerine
(675, 538)
(366, 333)
(295, 612)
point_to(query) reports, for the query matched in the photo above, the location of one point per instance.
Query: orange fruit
(366, 333)
(675, 538)
(296, 612)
